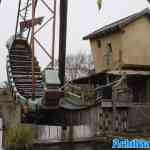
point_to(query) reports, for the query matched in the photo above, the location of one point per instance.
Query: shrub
(19, 137)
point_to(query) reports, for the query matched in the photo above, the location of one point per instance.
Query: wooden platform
(100, 139)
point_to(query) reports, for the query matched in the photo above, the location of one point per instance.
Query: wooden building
(122, 44)
(121, 54)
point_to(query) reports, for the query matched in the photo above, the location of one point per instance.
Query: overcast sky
(83, 18)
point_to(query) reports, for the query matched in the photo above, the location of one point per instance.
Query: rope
(98, 99)
(120, 80)
(115, 83)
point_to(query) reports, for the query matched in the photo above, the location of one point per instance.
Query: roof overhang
(102, 75)
(118, 25)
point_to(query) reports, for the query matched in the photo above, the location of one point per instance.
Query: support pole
(54, 29)
(19, 5)
(32, 47)
(114, 112)
(62, 39)
(148, 89)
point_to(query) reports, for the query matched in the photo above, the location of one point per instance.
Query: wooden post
(148, 89)
(114, 110)
(71, 128)
(107, 79)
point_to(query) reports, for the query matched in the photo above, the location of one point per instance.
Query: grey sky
(83, 19)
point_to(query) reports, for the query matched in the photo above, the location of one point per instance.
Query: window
(109, 47)
(99, 43)
(108, 54)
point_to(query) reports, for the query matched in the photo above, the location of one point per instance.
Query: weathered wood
(136, 67)
(27, 79)
(52, 97)
(25, 82)
(38, 92)
(30, 95)
(26, 76)
(22, 63)
(15, 72)
(20, 56)
(27, 85)
(20, 52)
(148, 89)
(21, 69)
(27, 69)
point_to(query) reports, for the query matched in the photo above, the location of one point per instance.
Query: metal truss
(25, 27)
(26, 22)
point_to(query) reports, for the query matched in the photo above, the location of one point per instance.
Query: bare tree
(78, 65)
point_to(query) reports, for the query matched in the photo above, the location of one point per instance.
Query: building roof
(102, 75)
(118, 25)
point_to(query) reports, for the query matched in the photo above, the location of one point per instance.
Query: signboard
(28, 23)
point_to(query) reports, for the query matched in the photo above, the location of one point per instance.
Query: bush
(19, 137)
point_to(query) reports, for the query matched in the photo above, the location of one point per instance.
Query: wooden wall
(136, 43)
(131, 46)
(99, 53)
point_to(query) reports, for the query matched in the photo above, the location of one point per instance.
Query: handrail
(19, 6)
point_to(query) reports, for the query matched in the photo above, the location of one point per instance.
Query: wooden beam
(148, 89)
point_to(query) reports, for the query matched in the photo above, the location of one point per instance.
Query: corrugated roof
(117, 25)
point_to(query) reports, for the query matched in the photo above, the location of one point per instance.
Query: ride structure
(38, 92)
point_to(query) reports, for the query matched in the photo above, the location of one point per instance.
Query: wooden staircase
(20, 66)
(44, 110)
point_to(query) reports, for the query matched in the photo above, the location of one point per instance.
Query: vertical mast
(62, 38)
(32, 47)
(53, 33)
